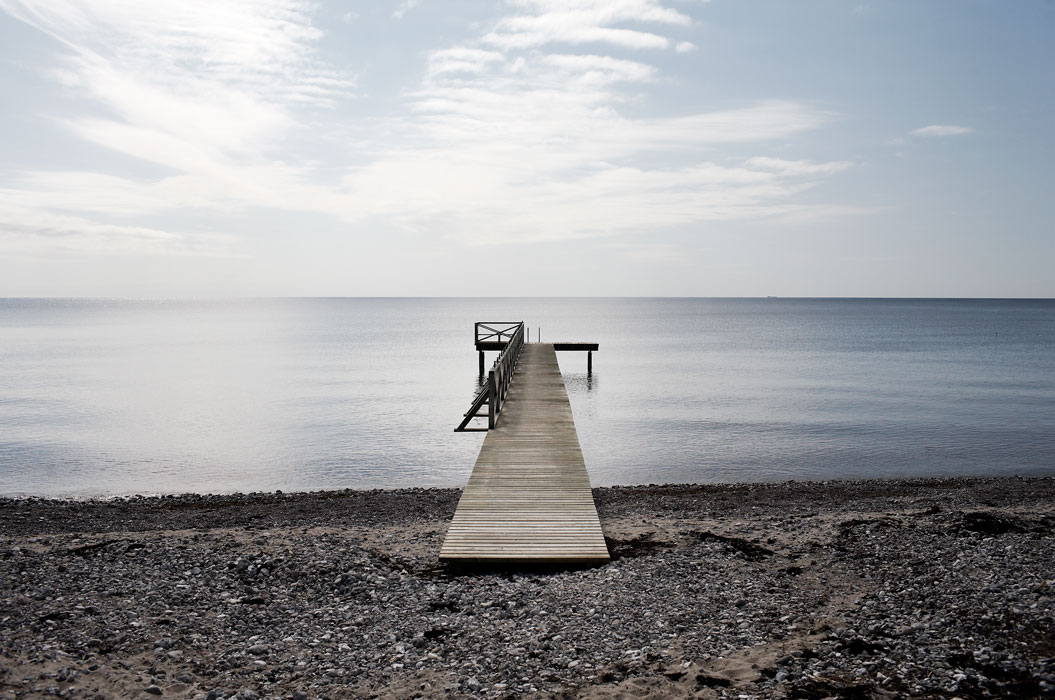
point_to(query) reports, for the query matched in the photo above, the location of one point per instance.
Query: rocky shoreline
(929, 588)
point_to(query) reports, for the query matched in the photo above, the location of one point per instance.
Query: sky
(199, 148)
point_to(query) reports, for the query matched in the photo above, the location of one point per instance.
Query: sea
(112, 397)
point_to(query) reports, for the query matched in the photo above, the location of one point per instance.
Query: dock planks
(528, 498)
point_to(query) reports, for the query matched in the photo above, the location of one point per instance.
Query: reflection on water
(578, 383)
(103, 396)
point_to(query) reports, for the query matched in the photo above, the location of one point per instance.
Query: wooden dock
(528, 499)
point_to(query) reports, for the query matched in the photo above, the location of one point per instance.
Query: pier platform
(528, 499)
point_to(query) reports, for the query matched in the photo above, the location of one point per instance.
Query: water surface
(113, 396)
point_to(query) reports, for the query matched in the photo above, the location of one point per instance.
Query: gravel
(931, 588)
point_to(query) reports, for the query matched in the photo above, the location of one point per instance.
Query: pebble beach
(925, 588)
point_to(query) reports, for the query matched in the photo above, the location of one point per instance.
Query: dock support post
(492, 400)
(589, 362)
(481, 363)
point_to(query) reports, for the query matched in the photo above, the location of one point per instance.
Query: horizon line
(572, 296)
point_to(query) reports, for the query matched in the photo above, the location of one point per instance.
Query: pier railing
(493, 336)
(499, 377)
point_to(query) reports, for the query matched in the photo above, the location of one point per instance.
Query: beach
(929, 588)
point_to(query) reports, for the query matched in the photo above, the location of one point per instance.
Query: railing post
(492, 400)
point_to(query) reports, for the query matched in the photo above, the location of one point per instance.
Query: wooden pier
(528, 499)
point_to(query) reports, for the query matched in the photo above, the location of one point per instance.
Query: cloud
(600, 70)
(797, 167)
(405, 7)
(762, 121)
(942, 130)
(261, 48)
(208, 90)
(461, 59)
(28, 230)
(543, 22)
(481, 188)
(190, 75)
(517, 135)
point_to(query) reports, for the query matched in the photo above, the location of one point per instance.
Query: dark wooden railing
(493, 393)
(492, 334)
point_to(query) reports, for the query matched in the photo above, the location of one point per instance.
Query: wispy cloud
(541, 22)
(461, 59)
(598, 70)
(186, 84)
(797, 167)
(404, 7)
(201, 88)
(532, 146)
(264, 49)
(520, 134)
(35, 230)
(942, 130)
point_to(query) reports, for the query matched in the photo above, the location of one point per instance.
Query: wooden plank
(528, 498)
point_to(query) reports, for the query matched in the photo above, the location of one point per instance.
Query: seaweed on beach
(750, 550)
(643, 544)
(984, 523)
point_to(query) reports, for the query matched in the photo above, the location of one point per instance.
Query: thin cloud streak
(460, 59)
(584, 21)
(797, 167)
(28, 230)
(942, 130)
(600, 70)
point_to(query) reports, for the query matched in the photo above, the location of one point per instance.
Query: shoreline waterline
(264, 496)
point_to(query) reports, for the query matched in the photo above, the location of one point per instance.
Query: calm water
(117, 397)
